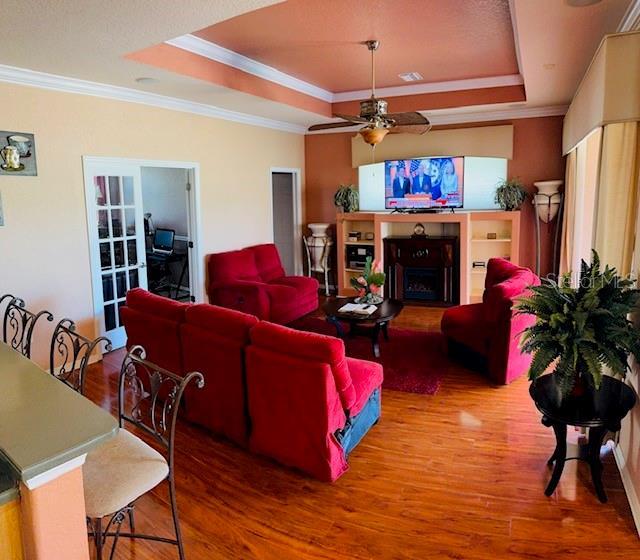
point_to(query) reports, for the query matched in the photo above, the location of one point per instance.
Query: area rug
(413, 361)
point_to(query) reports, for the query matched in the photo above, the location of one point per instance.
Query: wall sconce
(548, 202)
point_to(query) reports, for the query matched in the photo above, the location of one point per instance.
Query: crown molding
(214, 52)
(489, 113)
(26, 77)
(433, 87)
(209, 50)
(631, 19)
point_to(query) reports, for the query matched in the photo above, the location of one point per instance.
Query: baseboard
(629, 488)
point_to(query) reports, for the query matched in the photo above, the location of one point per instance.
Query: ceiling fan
(373, 114)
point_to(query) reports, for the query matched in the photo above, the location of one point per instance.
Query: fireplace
(422, 284)
(422, 269)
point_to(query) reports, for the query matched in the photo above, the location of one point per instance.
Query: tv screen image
(424, 183)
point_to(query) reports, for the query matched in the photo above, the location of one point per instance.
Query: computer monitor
(163, 240)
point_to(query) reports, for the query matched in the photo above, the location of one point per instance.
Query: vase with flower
(369, 284)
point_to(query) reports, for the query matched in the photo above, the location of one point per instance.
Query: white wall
(164, 196)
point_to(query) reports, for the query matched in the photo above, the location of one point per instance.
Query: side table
(599, 410)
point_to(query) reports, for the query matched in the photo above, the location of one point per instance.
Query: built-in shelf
(500, 239)
(367, 242)
(358, 270)
(478, 271)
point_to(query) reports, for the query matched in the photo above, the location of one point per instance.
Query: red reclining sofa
(290, 395)
(253, 281)
(487, 334)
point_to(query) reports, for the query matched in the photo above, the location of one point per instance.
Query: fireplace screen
(422, 284)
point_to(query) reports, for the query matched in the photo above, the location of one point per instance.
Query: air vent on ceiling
(411, 76)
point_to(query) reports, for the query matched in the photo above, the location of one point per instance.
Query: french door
(116, 240)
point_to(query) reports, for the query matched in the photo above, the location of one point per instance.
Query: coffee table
(363, 325)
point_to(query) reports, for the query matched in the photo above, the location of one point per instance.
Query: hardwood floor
(456, 475)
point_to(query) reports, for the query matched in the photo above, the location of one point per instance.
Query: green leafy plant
(510, 194)
(347, 198)
(580, 330)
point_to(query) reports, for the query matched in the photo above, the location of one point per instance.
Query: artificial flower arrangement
(369, 283)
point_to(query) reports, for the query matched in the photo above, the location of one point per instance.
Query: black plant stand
(601, 411)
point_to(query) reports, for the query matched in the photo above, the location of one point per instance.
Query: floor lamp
(548, 203)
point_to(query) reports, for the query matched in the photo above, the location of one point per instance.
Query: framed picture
(17, 153)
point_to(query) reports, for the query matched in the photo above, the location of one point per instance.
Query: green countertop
(43, 422)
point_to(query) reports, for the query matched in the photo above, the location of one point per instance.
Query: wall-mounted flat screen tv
(423, 183)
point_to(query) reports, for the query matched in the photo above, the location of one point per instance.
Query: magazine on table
(358, 308)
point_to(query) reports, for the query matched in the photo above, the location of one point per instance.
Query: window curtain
(566, 244)
(617, 206)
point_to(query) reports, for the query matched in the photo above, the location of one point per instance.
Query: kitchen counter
(44, 424)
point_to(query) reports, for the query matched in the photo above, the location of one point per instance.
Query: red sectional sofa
(309, 403)
(488, 333)
(253, 281)
(290, 395)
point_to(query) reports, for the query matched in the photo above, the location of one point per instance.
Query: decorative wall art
(17, 153)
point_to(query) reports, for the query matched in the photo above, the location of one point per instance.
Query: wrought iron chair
(70, 353)
(124, 468)
(18, 324)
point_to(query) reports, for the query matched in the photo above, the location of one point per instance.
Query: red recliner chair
(253, 281)
(309, 404)
(213, 341)
(487, 335)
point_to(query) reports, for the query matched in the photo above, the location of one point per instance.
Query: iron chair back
(18, 324)
(70, 354)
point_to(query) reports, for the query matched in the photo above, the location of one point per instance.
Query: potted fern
(510, 195)
(579, 331)
(347, 198)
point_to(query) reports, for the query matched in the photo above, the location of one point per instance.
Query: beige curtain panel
(566, 240)
(618, 200)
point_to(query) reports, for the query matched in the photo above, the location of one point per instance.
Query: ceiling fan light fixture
(373, 135)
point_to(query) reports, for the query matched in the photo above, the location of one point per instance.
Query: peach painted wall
(44, 243)
(537, 156)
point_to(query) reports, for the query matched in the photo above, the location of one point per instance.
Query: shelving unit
(471, 228)
(506, 226)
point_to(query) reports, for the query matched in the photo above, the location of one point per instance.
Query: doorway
(135, 240)
(286, 212)
(165, 206)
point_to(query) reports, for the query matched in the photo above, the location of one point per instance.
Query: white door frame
(196, 270)
(297, 211)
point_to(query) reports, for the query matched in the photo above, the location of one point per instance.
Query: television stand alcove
(480, 235)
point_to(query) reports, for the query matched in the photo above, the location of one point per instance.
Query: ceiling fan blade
(410, 129)
(327, 126)
(410, 118)
(351, 118)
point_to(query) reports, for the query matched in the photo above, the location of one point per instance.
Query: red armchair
(253, 281)
(309, 404)
(487, 334)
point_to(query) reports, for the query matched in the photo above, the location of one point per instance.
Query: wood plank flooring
(457, 475)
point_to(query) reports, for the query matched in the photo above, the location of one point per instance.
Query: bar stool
(70, 354)
(18, 324)
(124, 468)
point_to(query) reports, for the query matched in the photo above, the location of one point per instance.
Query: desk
(162, 261)
(46, 429)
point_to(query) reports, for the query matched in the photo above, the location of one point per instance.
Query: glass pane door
(118, 242)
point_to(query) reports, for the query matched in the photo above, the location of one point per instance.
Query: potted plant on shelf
(510, 195)
(581, 330)
(346, 197)
(369, 283)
